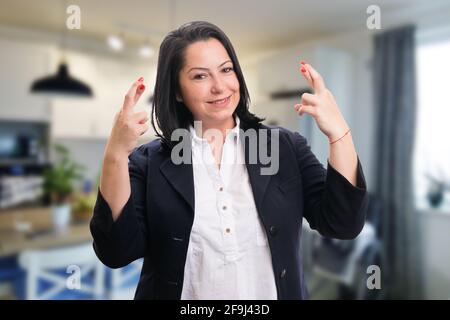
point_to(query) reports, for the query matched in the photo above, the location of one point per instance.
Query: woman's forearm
(115, 182)
(344, 159)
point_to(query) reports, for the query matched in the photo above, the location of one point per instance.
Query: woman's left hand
(321, 105)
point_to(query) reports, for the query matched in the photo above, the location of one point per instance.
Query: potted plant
(83, 206)
(59, 184)
(436, 190)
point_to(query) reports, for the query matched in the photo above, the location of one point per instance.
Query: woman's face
(208, 76)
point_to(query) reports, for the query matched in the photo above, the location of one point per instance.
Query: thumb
(301, 109)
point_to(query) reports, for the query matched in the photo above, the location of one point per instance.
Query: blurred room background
(61, 87)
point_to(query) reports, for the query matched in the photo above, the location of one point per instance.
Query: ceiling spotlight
(115, 43)
(146, 51)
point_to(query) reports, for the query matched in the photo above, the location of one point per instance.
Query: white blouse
(228, 255)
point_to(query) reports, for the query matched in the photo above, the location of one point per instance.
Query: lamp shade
(61, 83)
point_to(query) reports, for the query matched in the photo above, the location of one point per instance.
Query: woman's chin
(223, 115)
(220, 114)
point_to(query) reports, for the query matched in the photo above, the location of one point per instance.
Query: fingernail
(141, 87)
(302, 62)
(303, 70)
(141, 79)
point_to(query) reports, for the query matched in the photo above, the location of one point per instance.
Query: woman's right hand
(128, 125)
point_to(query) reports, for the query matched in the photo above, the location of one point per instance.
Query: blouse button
(273, 230)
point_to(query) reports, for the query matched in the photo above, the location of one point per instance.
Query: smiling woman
(210, 93)
(220, 229)
(197, 65)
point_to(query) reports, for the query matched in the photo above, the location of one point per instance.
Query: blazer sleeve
(332, 205)
(118, 243)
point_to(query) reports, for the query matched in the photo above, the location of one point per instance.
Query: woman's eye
(199, 76)
(228, 69)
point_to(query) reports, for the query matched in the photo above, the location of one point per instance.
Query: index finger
(318, 83)
(306, 74)
(129, 100)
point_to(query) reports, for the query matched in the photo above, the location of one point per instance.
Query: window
(432, 144)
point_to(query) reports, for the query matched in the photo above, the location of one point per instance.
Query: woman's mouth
(220, 103)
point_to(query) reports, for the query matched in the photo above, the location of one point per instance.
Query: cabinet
(280, 72)
(21, 64)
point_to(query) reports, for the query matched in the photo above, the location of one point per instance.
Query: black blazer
(156, 221)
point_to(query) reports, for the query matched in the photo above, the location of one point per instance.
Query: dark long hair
(168, 113)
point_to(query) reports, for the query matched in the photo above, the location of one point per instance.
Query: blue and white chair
(63, 273)
(10, 273)
(123, 281)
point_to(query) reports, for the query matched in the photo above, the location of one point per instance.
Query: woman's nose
(217, 86)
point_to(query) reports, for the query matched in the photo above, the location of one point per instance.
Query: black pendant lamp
(61, 83)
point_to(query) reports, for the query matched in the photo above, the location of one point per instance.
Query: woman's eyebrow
(207, 68)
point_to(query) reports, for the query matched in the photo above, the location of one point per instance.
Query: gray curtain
(395, 106)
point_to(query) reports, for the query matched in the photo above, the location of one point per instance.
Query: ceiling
(252, 25)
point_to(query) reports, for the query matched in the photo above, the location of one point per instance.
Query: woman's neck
(222, 126)
(215, 142)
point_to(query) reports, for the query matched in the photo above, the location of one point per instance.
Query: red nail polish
(141, 79)
(303, 70)
(302, 62)
(141, 87)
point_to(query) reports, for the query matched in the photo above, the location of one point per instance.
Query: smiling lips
(221, 101)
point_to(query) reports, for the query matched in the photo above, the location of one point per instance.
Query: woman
(210, 228)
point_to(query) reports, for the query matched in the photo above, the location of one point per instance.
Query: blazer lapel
(181, 178)
(258, 181)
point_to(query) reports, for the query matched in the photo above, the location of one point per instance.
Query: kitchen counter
(32, 228)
